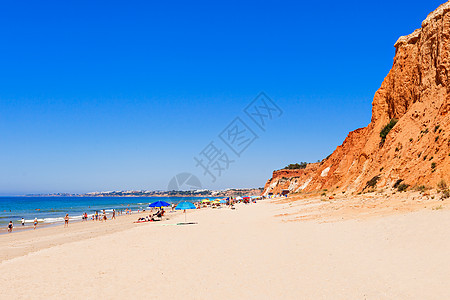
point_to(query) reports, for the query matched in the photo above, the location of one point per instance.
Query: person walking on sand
(114, 214)
(35, 223)
(10, 226)
(66, 220)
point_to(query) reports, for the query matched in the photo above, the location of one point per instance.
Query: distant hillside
(193, 193)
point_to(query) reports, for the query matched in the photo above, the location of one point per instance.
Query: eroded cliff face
(417, 93)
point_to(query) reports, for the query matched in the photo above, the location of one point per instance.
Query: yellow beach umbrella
(215, 202)
(205, 200)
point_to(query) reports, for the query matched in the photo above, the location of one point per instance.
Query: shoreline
(43, 225)
(51, 210)
(55, 234)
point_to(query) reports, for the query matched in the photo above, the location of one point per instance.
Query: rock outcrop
(416, 92)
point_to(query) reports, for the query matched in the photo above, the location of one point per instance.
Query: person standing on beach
(114, 214)
(66, 220)
(35, 223)
(10, 226)
(23, 222)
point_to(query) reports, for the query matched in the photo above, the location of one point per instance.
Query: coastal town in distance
(188, 193)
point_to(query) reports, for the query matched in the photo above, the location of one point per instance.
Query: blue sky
(116, 95)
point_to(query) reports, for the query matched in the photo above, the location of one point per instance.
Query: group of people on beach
(11, 225)
(95, 217)
(153, 217)
(99, 217)
(35, 223)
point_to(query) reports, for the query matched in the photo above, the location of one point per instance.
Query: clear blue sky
(118, 95)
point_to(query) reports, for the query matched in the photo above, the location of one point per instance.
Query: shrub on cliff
(421, 188)
(402, 187)
(442, 185)
(372, 182)
(384, 132)
(301, 165)
(433, 166)
(397, 183)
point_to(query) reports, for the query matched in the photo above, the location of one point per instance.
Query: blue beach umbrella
(185, 205)
(159, 204)
(223, 201)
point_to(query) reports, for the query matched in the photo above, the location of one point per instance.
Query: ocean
(50, 210)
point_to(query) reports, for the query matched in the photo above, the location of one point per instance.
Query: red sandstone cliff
(417, 93)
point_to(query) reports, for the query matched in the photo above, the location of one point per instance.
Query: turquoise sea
(50, 210)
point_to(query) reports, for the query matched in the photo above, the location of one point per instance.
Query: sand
(360, 207)
(254, 252)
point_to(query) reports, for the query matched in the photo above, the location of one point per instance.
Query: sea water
(50, 210)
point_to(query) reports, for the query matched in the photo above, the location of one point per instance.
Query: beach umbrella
(205, 200)
(223, 201)
(159, 204)
(185, 205)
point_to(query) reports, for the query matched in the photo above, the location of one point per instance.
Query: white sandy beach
(246, 253)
